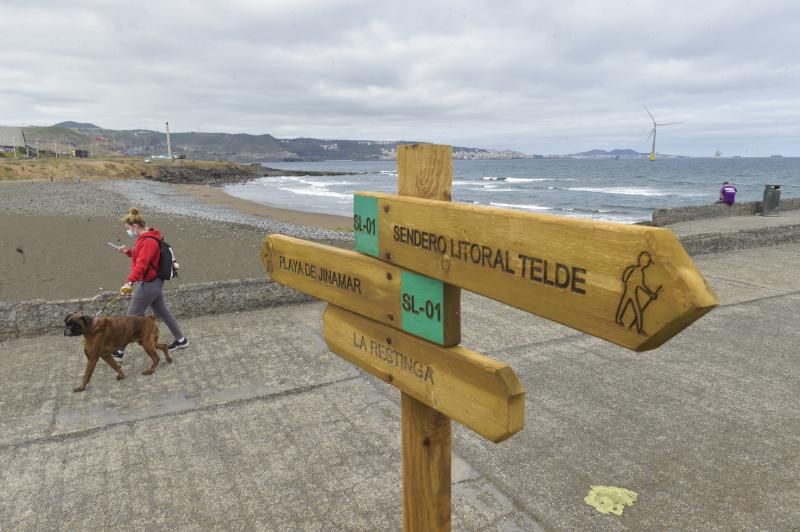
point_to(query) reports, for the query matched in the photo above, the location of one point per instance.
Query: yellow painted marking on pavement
(610, 499)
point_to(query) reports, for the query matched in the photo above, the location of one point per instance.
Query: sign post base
(426, 466)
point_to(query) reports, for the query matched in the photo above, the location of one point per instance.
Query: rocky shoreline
(183, 171)
(224, 175)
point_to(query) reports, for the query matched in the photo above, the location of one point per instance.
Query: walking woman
(143, 278)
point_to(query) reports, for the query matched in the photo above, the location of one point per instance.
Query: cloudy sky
(530, 75)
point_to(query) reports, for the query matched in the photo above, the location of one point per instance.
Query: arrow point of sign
(693, 298)
(672, 328)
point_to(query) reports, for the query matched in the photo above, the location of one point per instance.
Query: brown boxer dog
(101, 336)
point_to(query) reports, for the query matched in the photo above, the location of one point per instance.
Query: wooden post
(426, 467)
(425, 171)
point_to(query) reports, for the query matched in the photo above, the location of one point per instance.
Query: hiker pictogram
(636, 294)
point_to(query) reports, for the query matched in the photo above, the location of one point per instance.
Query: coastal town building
(11, 137)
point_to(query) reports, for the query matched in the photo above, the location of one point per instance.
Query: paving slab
(257, 426)
(705, 429)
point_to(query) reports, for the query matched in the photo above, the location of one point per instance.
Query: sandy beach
(62, 229)
(214, 195)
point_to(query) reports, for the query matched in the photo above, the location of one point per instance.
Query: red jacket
(144, 256)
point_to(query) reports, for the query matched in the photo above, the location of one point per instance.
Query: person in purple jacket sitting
(727, 194)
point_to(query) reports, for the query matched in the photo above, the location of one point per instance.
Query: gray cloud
(528, 75)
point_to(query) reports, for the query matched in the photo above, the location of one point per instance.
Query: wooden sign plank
(482, 394)
(628, 284)
(408, 301)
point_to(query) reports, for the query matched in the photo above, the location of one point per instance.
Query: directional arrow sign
(405, 300)
(628, 284)
(480, 393)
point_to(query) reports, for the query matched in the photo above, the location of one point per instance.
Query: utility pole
(37, 149)
(14, 142)
(169, 145)
(91, 149)
(25, 143)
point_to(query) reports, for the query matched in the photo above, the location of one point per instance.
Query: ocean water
(624, 190)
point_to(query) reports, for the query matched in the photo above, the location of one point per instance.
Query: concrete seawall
(30, 318)
(662, 217)
(714, 242)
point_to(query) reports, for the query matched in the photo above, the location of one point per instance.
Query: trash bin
(771, 205)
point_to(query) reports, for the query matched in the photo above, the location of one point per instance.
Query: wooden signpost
(394, 308)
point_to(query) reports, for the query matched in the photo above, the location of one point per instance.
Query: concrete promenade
(733, 224)
(257, 426)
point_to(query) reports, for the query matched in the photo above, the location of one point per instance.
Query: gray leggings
(149, 295)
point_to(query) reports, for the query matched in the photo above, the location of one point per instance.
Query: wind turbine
(653, 132)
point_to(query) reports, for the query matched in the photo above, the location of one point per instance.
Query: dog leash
(114, 300)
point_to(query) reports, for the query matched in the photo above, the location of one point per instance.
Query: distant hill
(611, 153)
(76, 125)
(239, 147)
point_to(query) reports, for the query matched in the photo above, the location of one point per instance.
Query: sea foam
(517, 206)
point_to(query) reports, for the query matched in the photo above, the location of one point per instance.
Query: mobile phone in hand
(118, 248)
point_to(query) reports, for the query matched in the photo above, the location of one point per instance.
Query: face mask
(131, 233)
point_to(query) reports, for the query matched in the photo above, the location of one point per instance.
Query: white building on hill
(10, 137)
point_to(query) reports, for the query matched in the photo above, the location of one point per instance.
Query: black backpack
(167, 265)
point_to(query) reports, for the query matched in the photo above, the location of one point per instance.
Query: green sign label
(422, 302)
(365, 224)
